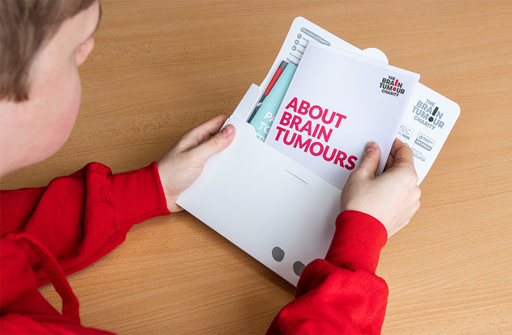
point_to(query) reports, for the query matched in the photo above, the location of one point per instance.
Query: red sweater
(50, 232)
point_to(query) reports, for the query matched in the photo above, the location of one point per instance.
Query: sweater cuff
(357, 242)
(139, 195)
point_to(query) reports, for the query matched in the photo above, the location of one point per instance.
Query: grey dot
(278, 254)
(298, 267)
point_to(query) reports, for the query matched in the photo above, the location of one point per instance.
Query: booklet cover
(337, 102)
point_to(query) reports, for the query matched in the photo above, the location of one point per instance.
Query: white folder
(268, 205)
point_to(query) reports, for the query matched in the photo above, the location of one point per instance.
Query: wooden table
(160, 67)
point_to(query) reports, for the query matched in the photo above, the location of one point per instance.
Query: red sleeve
(341, 294)
(82, 217)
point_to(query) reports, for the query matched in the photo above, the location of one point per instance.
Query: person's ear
(84, 50)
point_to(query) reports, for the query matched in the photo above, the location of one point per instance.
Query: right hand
(184, 162)
(394, 196)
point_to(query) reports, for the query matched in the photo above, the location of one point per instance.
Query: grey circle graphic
(278, 254)
(298, 267)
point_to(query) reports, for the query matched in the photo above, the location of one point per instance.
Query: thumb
(215, 144)
(370, 161)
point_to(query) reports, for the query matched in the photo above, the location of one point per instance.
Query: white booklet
(337, 102)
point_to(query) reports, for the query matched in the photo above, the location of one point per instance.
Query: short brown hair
(25, 26)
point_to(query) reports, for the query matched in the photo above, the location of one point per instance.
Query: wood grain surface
(161, 67)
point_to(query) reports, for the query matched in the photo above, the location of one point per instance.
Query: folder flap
(259, 200)
(248, 102)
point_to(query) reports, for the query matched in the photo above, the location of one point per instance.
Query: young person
(50, 232)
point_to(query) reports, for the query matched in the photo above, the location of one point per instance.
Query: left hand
(184, 162)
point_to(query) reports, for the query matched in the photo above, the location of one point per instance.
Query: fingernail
(227, 130)
(369, 148)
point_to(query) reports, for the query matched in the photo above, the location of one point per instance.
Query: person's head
(42, 43)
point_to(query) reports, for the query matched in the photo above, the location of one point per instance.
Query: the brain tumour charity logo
(392, 86)
(428, 114)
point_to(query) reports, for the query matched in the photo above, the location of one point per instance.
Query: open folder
(272, 207)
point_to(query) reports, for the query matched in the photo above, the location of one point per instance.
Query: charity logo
(428, 114)
(392, 86)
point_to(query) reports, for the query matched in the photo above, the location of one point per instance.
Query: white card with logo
(336, 103)
(427, 122)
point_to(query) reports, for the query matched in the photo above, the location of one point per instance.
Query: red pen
(280, 70)
(275, 77)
